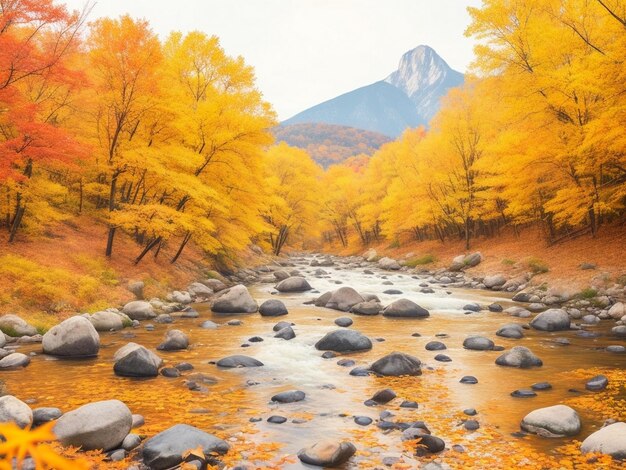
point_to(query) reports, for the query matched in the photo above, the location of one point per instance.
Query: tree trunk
(182, 247)
(111, 236)
(17, 220)
(148, 247)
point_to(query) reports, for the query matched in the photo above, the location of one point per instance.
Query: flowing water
(240, 394)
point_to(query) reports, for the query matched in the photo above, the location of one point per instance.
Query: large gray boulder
(166, 449)
(617, 310)
(216, 285)
(293, 284)
(107, 320)
(478, 343)
(404, 308)
(389, 264)
(396, 364)
(100, 425)
(519, 356)
(199, 291)
(14, 410)
(371, 307)
(239, 361)
(552, 421)
(344, 299)
(273, 308)
(174, 340)
(327, 453)
(139, 310)
(134, 360)
(74, 337)
(511, 330)
(609, 440)
(344, 341)
(15, 326)
(465, 261)
(554, 319)
(496, 280)
(236, 299)
(14, 360)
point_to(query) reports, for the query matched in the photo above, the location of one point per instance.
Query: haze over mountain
(410, 96)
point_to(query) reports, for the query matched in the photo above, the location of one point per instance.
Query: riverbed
(333, 397)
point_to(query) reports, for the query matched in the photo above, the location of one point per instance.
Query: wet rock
(616, 348)
(344, 341)
(45, 415)
(290, 396)
(277, 419)
(388, 264)
(14, 361)
(523, 393)
(131, 441)
(166, 449)
(590, 320)
(343, 322)
(442, 358)
(216, 285)
(236, 299)
(327, 453)
(293, 284)
(139, 310)
(496, 280)
(281, 275)
(609, 440)
(107, 321)
(363, 420)
(134, 360)
(404, 308)
(540, 386)
(392, 292)
(617, 311)
(74, 337)
(495, 308)
(474, 307)
(209, 325)
(478, 343)
(344, 299)
(280, 325)
(323, 299)
(554, 319)
(470, 412)
(519, 356)
(239, 361)
(597, 383)
(273, 308)
(329, 355)
(409, 404)
(345, 362)
(435, 346)
(360, 372)
(396, 364)
(552, 421)
(429, 444)
(367, 308)
(100, 425)
(518, 312)
(511, 330)
(199, 291)
(16, 326)
(255, 339)
(469, 379)
(286, 333)
(175, 340)
(384, 396)
(164, 318)
(16, 411)
(170, 372)
(471, 425)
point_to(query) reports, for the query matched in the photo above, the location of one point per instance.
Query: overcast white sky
(307, 51)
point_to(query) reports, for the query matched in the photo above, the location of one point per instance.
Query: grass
(537, 266)
(393, 245)
(621, 279)
(508, 262)
(421, 261)
(587, 293)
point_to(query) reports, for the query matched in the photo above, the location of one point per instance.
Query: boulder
(554, 319)
(497, 280)
(16, 411)
(273, 308)
(344, 341)
(552, 421)
(136, 288)
(100, 425)
(404, 308)
(107, 321)
(389, 264)
(45, 415)
(293, 284)
(597, 383)
(343, 322)
(174, 341)
(327, 453)
(281, 275)
(478, 343)
(367, 308)
(236, 299)
(344, 299)
(609, 440)
(216, 285)
(15, 326)
(14, 360)
(133, 360)
(197, 290)
(511, 330)
(323, 299)
(139, 310)
(167, 449)
(396, 364)
(617, 311)
(239, 361)
(74, 337)
(180, 297)
(519, 356)
(290, 396)
(286, 333)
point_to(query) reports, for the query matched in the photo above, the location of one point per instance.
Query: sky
(307, 51)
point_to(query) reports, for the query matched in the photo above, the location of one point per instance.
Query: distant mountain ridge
(410, 96)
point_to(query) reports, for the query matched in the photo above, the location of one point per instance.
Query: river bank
(236, 405)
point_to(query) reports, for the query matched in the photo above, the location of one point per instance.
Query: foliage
(588, 293)
(421, 261)
(537, 266)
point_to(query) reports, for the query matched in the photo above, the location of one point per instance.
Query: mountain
(329, 143)
(408, 97)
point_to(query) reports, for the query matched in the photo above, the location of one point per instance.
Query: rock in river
(344, 341)
(478, 343)
(239, 361)
(236, 299)
(273, 308)
(174, 340)
(293, 284)
(519, 356)
(100, 425)
(367, 308)
(290, 396)
(16, 326)
(134, 360)
(511, 330)
(404, 308)
(554, 319)
(609, 440)
(139, 310)
(74, 337)
(14, 410)
(597, 383)
(344, 299)
(396, 364)
(14, 360)
(327, 453)
(553, 421)
(166, 449)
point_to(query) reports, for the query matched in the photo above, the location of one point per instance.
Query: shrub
(422, 260)
(537, 266)
(508, 262)
(588, 293)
